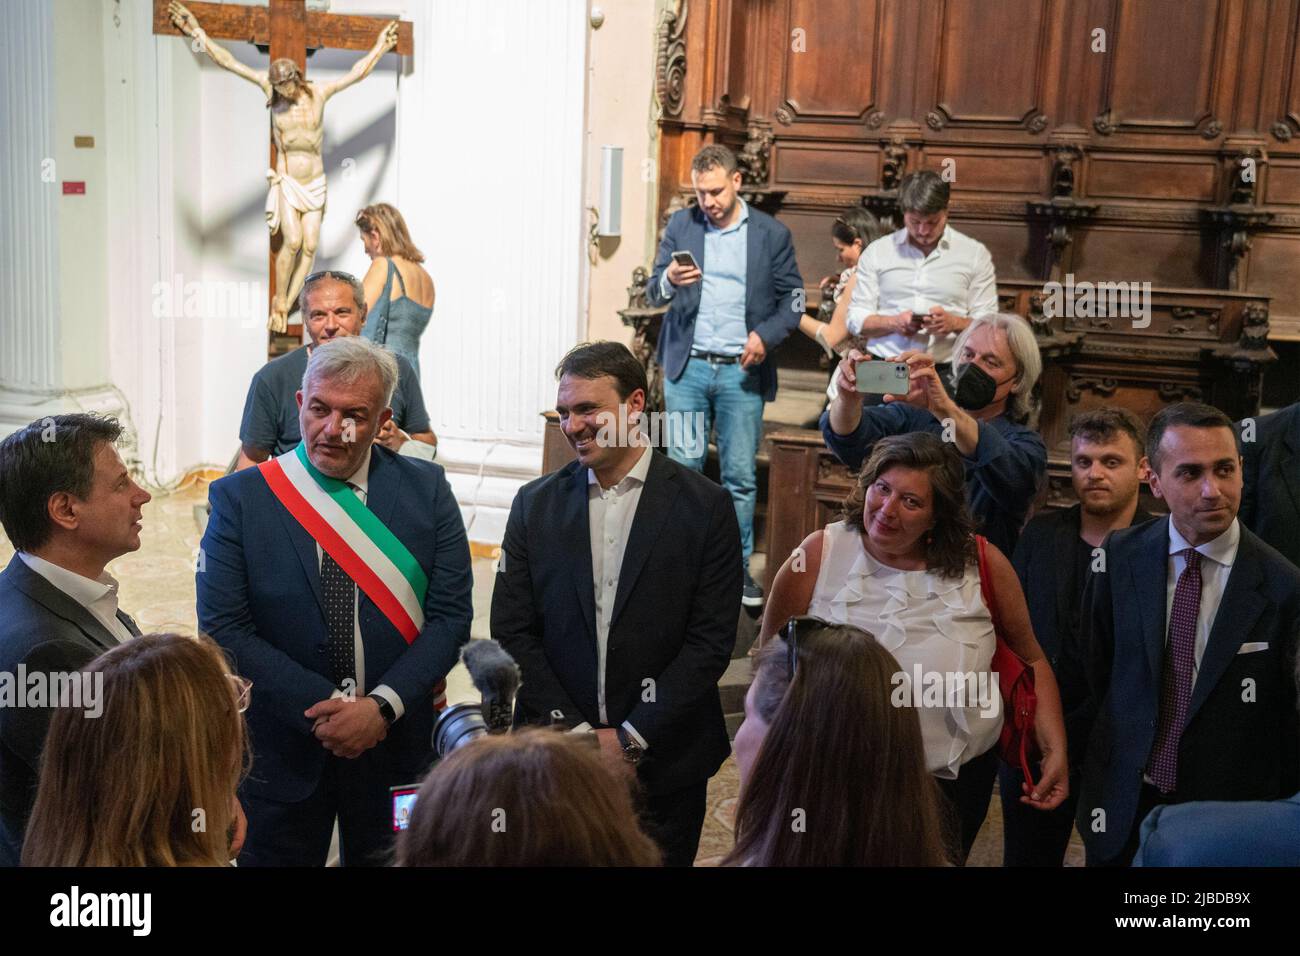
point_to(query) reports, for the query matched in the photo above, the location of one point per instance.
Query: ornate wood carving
(1104, 387)
(670, 67)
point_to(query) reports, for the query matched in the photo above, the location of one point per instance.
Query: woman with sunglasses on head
(831, 772)
(146, 775)
(904, 565)
(851, 232)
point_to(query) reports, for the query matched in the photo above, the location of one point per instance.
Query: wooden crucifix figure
(296, 199)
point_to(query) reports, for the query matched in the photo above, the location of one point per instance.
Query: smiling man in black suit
(617, 591)
(69, 507)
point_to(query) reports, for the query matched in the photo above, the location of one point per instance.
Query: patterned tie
(340, 594)
(1176, 676)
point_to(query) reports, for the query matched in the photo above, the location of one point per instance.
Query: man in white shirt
(69, 507)
(618, 593)
(920, 286)
(1189, 634)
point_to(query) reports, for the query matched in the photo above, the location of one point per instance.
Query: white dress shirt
(98, 595)
(360, 484)
(895, 276)
(610, 512)
(1217, 557)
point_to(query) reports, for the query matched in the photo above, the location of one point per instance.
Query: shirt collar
(85, 591)
(945, 239)
(744, 217)
(361, 477)
(1222, 550)
(637, 474)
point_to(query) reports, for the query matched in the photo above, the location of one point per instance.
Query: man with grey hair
(337, 578)
(333, 306)
(996, 367)
(919, 287)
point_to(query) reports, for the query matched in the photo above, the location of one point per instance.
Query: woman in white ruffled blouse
(903, 566)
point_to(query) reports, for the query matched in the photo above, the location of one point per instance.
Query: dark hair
(592, 360)
(715, 154)
(1187, 414)
(539, 797)
(923, 191)
(839, 750)
(51, 455)
(950, 548)
(1103, 424)
(858, 223)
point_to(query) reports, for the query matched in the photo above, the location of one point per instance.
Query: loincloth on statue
(287, 190)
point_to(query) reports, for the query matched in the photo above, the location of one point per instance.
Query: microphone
(496, 677)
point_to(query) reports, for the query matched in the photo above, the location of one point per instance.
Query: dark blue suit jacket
(673, 622)
(1236, 745)
(1270, 500)
(773, 289)
(259, 597)
(1222, 834)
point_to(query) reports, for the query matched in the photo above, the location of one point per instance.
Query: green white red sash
(349, 532)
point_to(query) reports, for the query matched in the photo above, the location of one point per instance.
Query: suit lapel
(1149, 577)
(1288, 467)
(1240, 608)
(753, 253)
(651, 514)
(59, 604)
(128, 622)
(575, 524)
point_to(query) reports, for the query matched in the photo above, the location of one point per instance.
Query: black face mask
(975, 388)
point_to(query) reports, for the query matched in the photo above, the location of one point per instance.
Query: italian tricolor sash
(349, 532)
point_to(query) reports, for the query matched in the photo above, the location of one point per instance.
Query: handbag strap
(986, 584)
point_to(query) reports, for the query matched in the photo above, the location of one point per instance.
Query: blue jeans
(732, 399)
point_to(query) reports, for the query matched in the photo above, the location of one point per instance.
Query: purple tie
(1176, 675)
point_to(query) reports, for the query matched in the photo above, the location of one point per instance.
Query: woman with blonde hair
(150, 780)
(537, 797)
(395, 317)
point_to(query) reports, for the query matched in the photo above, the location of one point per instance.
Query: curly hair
(950, 546)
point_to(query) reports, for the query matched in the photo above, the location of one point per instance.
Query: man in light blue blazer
(730, 305)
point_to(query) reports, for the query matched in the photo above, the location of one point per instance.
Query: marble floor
(157, 589)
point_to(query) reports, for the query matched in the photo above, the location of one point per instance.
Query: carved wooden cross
(289, 30)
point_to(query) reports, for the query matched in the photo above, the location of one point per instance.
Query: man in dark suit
(727, 312)
(1270, 502)
(1190, 638)
(337, 577)
(617, 592)
(1054, 558)
(69, 507)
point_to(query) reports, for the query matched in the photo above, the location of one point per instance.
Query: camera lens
(457, 726)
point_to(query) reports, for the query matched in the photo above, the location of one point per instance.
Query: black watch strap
(385, 708)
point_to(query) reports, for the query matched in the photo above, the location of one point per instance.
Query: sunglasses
(243, 690)
(790, 634)
(331, 273)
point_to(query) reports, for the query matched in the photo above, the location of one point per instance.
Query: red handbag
(1016, 746)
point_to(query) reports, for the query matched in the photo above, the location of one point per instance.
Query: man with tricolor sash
(337, 576)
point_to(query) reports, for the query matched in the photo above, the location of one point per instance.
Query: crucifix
(296, 197)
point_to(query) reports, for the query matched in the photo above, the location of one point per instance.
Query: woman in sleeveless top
(903, 566)
(399, 292)
(822, 741)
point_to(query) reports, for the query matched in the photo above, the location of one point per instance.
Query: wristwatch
(385, 709)
(632, 751)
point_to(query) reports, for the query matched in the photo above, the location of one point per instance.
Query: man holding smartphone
(918, 288)
(732, 300)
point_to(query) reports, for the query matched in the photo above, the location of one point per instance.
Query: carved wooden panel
(1164, 67)
(816, 34)
(977, 84)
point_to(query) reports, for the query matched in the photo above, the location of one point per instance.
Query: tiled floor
(157, 589)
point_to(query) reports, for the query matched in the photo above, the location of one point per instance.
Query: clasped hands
(347, 726)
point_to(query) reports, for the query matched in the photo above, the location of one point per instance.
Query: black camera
(496, 677)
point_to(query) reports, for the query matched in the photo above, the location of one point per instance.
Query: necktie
(340, 594)
(1176, 674)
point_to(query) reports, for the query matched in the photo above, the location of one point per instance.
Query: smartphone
(403, 804)
(684, 259)
(882, 378)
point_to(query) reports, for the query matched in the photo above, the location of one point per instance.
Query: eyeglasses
(347, 277)
(243, 691)
(790, 634)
